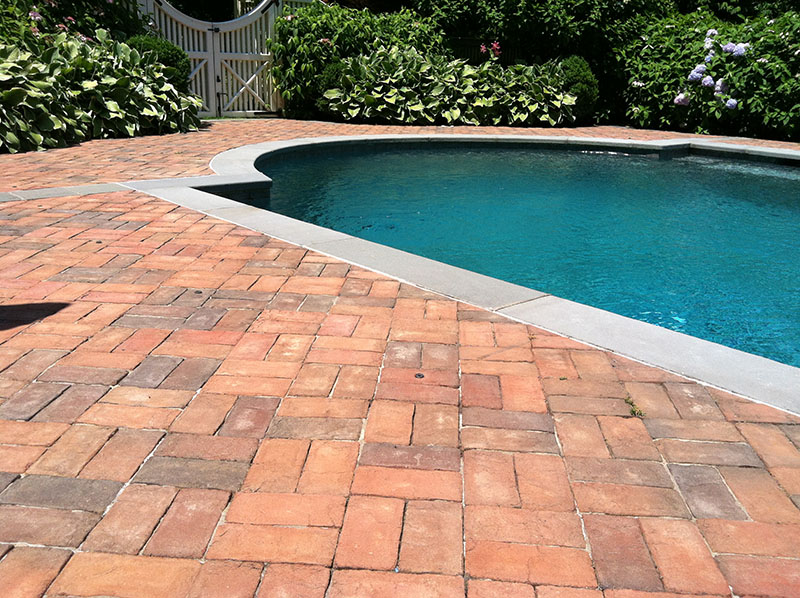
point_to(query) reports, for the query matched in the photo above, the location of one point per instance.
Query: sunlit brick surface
(189, 409)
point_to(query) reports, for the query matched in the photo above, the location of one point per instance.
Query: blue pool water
(706, 247)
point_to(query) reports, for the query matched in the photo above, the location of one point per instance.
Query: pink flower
(61, 26)
(324, 40)
(495, 47)
(70, 19)
(483, 49)
(35, 30)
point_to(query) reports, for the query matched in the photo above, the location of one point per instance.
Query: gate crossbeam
(245, 85)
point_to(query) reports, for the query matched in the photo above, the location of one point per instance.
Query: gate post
(212, 43)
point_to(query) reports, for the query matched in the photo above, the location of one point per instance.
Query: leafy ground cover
(60, 85)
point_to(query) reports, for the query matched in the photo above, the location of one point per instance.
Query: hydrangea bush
(696, 73)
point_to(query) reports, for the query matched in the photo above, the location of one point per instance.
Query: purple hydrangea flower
(721, 86)
(681, 99)
(740, 49)
(710, 56)
(701, 68)
(708, 81)
(35, 16)
(695, 76)
(711, 33)
(729, 47)
(709, 43)
(731, 104)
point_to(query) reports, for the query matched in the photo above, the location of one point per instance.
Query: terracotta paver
(207, 412)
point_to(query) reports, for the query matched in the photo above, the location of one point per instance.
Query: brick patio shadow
(12, 316)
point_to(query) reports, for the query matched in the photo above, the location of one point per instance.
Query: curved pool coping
(760, 379)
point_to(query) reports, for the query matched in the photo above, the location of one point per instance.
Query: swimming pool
(699, 245)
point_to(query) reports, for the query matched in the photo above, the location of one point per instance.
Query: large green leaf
(14, 96)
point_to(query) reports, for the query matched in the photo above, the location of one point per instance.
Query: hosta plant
(79, 90)
(396, 85)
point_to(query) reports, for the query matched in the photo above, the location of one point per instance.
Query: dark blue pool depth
(702, 246)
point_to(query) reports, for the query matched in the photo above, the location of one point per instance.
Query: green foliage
(317, 35)
(467, 18)
(736, 10)
(15, 24)
(330, 78)
(36, 110)
(164, 52)
(765, 81)
(77, 90)
(394, 85)
(581, 82)
(374, 5)
(541, 28)
(537, 30)
(30, 22)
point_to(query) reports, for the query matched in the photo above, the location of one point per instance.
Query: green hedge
(394, 85)
(76, 90)
(538, 30)
(317, 35)
(737, 10)
(164, 52)
(581, 82)
(760, 93)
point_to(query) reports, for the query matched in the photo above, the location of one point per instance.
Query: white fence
(230, 62)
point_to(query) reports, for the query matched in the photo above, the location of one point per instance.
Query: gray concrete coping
(47, 192)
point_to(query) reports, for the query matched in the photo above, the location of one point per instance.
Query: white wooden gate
(230, 62)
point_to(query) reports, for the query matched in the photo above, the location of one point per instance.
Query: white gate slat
(229, 61)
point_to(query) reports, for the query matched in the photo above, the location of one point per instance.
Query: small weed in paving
(635, 411)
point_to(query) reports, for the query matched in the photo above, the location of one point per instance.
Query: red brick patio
(190, 409)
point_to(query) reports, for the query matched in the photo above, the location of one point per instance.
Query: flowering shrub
(696, 73)
(316, 35)
(77, 90)
(27, 22)
(394, 85)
